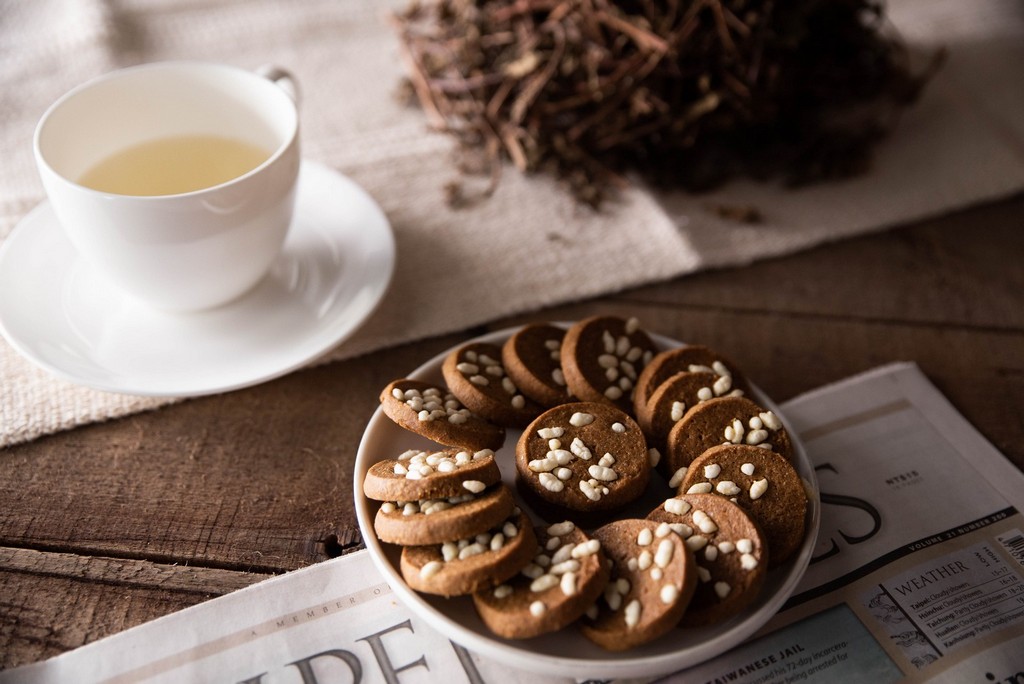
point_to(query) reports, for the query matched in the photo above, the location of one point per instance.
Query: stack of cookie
(600, 408)
(458, 523)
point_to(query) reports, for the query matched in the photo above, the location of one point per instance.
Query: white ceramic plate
(62, 315)
(567, 652)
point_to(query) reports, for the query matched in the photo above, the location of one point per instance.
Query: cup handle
(282, 78)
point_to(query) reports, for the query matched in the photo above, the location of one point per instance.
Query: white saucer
(567, 653)
(64, 316)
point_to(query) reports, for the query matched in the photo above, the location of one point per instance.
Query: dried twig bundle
(687, 92)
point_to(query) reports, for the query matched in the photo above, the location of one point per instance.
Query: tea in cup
(176, 180)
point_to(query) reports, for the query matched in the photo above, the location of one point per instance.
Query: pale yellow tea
(169, 166)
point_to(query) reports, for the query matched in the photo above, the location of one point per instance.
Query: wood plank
(257, 480)
(54, 602)
(961, 269)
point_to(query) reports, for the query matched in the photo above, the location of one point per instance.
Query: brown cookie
(566, 577)
(692, 358)
(472, 564)
(436, 414)
(476, 376)
(725, 420)
(653, 577)
(433, 521)
(533, 359)
(603, 356)
(730, 551)
(762, 482)
(440, 474)
(583, 457)
(670, 402)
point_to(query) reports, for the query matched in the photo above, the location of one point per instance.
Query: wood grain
(110, 525)
(258, 480)
(957, 270)
(56, 601)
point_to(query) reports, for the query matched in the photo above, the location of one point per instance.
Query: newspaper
(918, 574)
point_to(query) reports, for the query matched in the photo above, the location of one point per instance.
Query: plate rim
(618, 665)
(332, 334)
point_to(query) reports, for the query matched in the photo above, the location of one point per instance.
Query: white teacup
(193, 249)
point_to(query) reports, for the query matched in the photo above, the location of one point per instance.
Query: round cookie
(692, 358)
(730, 551)
(472, 564)
(476, 376)
(533, 359)
(583, 457)
(418, 474)
(603, 356)
(653, 577)
(725, 420)
(764, 483)
(436, 414)
(566, 577)
(670, 402)
(433, 521)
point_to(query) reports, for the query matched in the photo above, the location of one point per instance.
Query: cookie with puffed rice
(761, 481)
(533, 359)
(583, 456)
(725, 420)
(730, 551)
(476, 375)
(419, 474)
(565, 577)
(691, 358)
(602, 357)
(653, 577)
(669, 404)
(435, 413)
(471, 564)
(437, 520)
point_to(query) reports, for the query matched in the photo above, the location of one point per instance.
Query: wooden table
(110, 525)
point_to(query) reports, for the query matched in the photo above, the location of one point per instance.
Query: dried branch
(688, 92)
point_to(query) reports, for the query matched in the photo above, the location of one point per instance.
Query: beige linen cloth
(529, 246)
